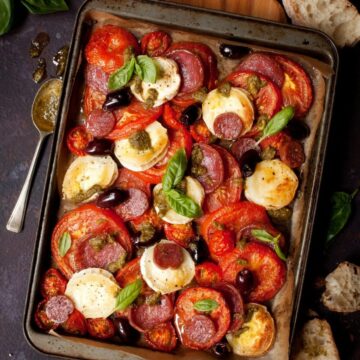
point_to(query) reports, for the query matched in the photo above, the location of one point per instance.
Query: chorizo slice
(100, 123)
(135, 206)
(228, 126)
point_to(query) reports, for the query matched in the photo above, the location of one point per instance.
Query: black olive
(199, 250)
(111, 198)
(298, 129)
(233, 51)
(100, 147)
(116, 99)
(191, 114)
(248, 162)
(127, 334)
(245, 281)
(221, 348)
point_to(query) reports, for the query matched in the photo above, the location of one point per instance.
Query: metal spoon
(43, 112)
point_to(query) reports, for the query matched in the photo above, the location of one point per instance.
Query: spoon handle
(16, 220)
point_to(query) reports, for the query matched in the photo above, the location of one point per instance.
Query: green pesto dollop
(197, 157)
(254, 84)
(140, 140)
(225, 89)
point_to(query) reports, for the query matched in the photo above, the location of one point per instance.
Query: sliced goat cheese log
(166, 86)
(167, 280)
(137, 159)
(93, 292)
(272, 185)
(193, 189)
(228, 116)
(87, 175)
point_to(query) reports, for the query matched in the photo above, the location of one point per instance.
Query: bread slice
(315, 342)
(329, 16)
(342, 288)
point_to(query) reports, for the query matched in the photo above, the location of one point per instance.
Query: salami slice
(135, 206)
(191, 70)
(168, 255)
(199, 330)
(263, 64)
(58, 308)
(145, 317)
(207, 166)
(128, 179)
(100, 123)
(96, 78)
(228, 126)
(243, 145)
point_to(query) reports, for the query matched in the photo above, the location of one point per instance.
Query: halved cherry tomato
(133, 118)
(297, 89)
(221, 242)
(75, 324)
(41, 319)
(77, 140)
(107, 47)
(52, 284)
(268, 269)
(181, 234)
(162, 337)
(81, 224)
(275, 141)
(208, 274)
(128, 179)
(150, 217)
(268, 100)
(92, 100)
(200, 132)
(100, 328)
(155, 43)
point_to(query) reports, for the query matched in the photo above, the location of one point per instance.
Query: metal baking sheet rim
(235, 27)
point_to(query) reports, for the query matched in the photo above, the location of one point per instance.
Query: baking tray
(234, 28)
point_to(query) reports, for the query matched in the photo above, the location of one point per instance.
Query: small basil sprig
(128, 295)
(206, 305)
(175, 171)
(6, 14)
(340, 213)
(277, 122)
(143, 66)
(45, 6)
(264, 236)
(64, 243)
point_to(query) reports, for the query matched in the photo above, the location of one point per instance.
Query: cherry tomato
(100, 328)
(41, 319)
(77, 140)
(75, 324)
(181, 234)
(275, 141)
(53, 283)
(155, 43)
(150, 217)
(200, 132)
(162, 337)
(208, 274)
(221, 242)
(108, 46)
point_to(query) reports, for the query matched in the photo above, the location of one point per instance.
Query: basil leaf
(128, 295)
(122, 76)
(45, 6)
(138, 71)
(278, 122)
(340, 213)
(6, 15)
(148, 68)
(175, 170)
(64, 243)
(264, 236)
(206, 305)
(183, 204)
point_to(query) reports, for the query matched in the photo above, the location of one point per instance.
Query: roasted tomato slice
(221, 242)
(297, 89)
(78, 227)
(267, 95)
(208, 274)
(109, 46)
(267, 268)
(75, 324)
(233, 217)
(41, 319)
(181, 234)
(100, 328)
(275, 141)
(150, 217)
(77, 140)
(53, 283)
(200, 330)
(162, 337)
(133, 118)
(200, 132)
(229, 191)
(128, 179)
(92, 100)
(155, 43)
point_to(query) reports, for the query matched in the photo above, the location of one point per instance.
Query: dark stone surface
(342, 172)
